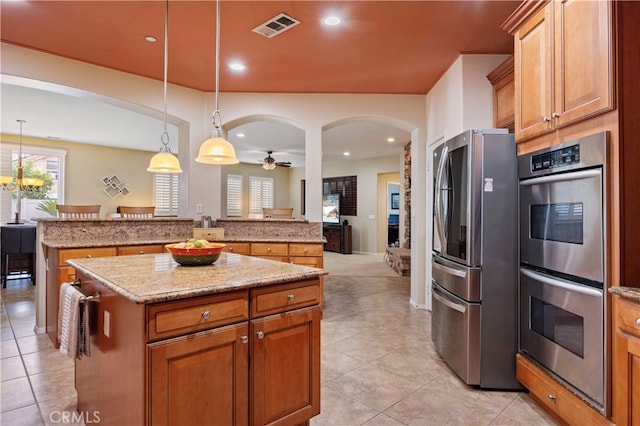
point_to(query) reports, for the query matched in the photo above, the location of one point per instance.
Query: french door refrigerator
(474, 264)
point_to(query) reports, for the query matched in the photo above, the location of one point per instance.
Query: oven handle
(583, 174)
(557, 283)
(448, 270)
(456, 307)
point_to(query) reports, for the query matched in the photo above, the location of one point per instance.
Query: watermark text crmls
(62, 417)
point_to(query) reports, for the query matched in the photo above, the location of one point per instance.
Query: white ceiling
(81, 117)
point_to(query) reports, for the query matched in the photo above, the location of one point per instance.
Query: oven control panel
(556, 158)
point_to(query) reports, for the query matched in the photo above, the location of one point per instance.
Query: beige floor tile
(8, 348)
(22, 329)
(11, 368)
(383, 420)
(412, 366)
(523, 411)
(374, 387)
(335, 364)
(56, 384)
(25, 416)
(341, 410)
(16, 393)
(46, 360)
(35, 343)
(55, 411)
(6, 332)
(363, 348)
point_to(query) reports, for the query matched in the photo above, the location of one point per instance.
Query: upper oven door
(561, 223)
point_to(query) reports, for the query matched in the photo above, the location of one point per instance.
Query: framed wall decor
(395, 201)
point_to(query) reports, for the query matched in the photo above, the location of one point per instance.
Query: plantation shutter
(260, 194)
(234, 195)
(166, 194)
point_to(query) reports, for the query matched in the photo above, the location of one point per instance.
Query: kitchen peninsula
(237, 341)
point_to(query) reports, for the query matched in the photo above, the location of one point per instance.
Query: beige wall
(86, 165)
(280, 176)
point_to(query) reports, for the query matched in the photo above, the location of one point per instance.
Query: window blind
(260, 194)
(166, 193)
(234, 195)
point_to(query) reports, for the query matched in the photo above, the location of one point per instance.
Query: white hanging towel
(69, 320)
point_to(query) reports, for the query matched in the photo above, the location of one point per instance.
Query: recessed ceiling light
(151, 39)
(240, 135)
(391, 139)
(331, 20)
(347, 153)
(237, 66)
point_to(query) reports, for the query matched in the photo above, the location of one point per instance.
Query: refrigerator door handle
(448, 303)
(448, 270)
(438, 197)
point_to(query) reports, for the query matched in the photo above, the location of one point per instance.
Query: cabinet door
(583, 60)
(532, 58)
(626, 362)
(286, 367)
(200, 378)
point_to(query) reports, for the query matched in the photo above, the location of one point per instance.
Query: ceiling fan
(269, 163)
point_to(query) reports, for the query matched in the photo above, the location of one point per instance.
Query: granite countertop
(631, 293)
(106, 242)
(156, 277)
(250, 239)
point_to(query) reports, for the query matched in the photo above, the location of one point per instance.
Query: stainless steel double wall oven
(474, 265)
(562, 263)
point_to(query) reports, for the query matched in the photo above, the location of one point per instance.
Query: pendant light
(216, 149)
(164, 161)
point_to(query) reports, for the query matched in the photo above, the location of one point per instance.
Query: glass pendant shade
(5, 182)
(164, 162)
(217, 150)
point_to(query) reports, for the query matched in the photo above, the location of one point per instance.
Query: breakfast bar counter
(237, 341)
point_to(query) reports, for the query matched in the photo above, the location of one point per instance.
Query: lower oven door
(562, 328)
(455, 331)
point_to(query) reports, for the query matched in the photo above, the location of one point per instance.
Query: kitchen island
(236, 342)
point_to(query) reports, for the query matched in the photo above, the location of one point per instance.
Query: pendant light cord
(164, 138)
(216, 114)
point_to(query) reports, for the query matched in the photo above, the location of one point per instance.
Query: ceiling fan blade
(283, 163)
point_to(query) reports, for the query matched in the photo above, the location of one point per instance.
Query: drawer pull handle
(206, 315)
(141, 252)
(89, 256)
(291, 298)
(269, 249)
(638, 322)
(551, 397)
(244, 339)
(260, 335)
(555, 115)
(306, 250)
(545, 119)
(230, 248)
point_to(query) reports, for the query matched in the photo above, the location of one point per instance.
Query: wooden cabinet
(237, 358)
(238, 248)
(626, 362)
(503, 85)
(554, 397)
(338, 238)
(563, 60)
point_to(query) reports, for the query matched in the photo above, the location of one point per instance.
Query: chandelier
(21, 183)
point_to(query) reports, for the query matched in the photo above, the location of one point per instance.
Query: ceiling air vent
(276, 25)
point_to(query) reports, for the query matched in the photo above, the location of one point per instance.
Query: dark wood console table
(338, 238)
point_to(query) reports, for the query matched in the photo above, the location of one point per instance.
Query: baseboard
(417, 305)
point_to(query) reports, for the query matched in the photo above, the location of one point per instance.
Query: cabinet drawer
(628, 317)
(555, 397)
(141, 249)
(81, 253)
(269, 249)
(178, 318)
(285, 297)
(238, 248)
(305, 249)
(316, 262)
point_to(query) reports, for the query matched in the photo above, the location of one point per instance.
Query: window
(260, 195)
(234, 195)
(165, 189)
(347, 187)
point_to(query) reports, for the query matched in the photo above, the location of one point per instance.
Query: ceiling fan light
(164, 162)
(217, 150)
(269, 166)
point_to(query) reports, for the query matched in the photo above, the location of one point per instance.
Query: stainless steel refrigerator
(474, 264)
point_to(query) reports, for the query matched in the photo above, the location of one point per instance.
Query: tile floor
(379, 366)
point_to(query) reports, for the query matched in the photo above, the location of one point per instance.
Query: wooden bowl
(196, 256)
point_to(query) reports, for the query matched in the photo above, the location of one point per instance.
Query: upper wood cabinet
(563, 60)
(501, 80)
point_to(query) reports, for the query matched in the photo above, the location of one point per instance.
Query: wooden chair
(68, 211)
(285, 213)
(136, 212)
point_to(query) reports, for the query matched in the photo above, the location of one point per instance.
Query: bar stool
(18, 250)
